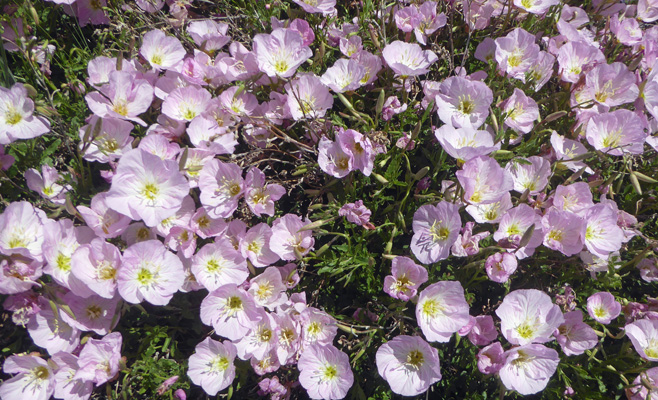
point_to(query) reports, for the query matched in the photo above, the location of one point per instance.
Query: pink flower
(409, 365)
(97, 265)
(287, 241)
(405, 279)
(575, 336)
(147, 187)
(644, 335)
(211, 366)
(516, 53)
(105, 139)
(536, 6)
(208, 34)
(45, 183)
(124, 97)
(572, 56)
(528, 316)
(639, 389)
(281, 52)
(161, 51)
(230, 310)
(318, 327)
(463, 103)
(308, 97)
(522, 111)
(563, 231)
(18, 274)
(465, 143)
(436, 229)
(468, 244)
(324, 371)
(259, 195)
(93, 313)
(484, 181)
(514, 224)
(186, 103)
(617, 133)
(408, 59)
(532, 177)
(500, 266)
(356, 213)
(22, 232)
(603, 307)
(16, 119)
(66, 387)
(610, 84)
(484, 331)
(268, 289)
(149, 272)
(324, 7)
(35, 378)
(442, 310)
(602, 234)
(491, 359)
(528, 368)
(99, 359)
(221, 187)
(105, 222)
(351, 46)
(345, 75)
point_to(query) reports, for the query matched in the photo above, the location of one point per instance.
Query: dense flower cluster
(165, 125)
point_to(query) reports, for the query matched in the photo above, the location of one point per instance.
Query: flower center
(438, 232)
(144, 277)
(415, 359)
(150, 191)
(94, 311)
(63, 262)
(13, 117)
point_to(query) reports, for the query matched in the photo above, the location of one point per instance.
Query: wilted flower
(357, 213)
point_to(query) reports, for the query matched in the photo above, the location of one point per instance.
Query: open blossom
(442, 310)
(50, 331)
(566, 150)
(230, 310)
(281, 52)
(465, 143)
(308, 97)
(22, 232)
(516, 53)
(16, 119)
(149, 272)
(602, 234)
(221, 187)
(105, 139)
(528, 368)
(96, 265)
(462, 102)
(211, 366)
(287, 241)
(528, 316)
(66, 386)
(536, 6)
(575, 336)
(161, 51)
(405, 279)
(521, 110)
(563, 231)
(345, 75)
(572, 56)
(408, 59)
(617, 133)
(147, 187)
(436, 229)
(603, 307)
(514, 224)
(124, 97)
(409, 365)
(260, 195)
(484, 180)
(93, 313)
(105, 222)
(324, 7)
(99, 360)
(532, 177)
(324, 371)
(208, 34)
(35, 378)
(644, 336)
(186, 103)
(218, 264)
(45, 183)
